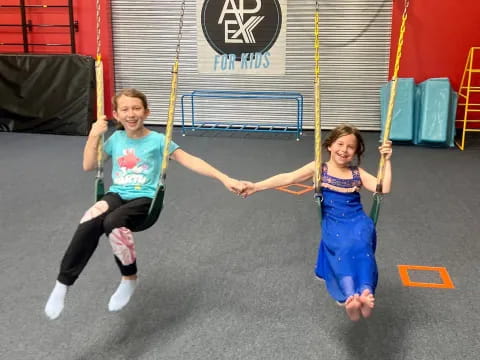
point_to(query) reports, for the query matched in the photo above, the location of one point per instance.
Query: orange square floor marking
(286, 189)
(447, 282)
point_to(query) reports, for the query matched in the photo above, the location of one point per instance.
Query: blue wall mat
(402, 128)
(433, 113)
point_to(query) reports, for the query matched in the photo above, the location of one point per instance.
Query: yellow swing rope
(391, 102)
(173, 98)
(318, 130)
(100, 97)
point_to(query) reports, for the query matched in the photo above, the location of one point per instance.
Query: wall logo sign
(241, 26)
(241, 36)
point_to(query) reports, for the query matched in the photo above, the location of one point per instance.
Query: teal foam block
(435, 113)
(402, 127)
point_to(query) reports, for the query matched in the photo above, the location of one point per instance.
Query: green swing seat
(155, 207)
(375, 209)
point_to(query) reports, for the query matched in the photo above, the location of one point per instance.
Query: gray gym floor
(229, 278)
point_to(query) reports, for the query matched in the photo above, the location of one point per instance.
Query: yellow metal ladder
(469, 97)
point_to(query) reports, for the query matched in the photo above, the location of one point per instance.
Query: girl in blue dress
(346, 256)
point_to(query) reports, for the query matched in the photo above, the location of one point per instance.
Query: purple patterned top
(342, 185)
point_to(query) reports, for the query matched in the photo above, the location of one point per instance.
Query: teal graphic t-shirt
(136, 163)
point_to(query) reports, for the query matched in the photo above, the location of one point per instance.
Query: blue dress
(346, 257)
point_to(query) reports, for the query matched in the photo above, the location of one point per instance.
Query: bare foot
(352, 306)
(367, 301)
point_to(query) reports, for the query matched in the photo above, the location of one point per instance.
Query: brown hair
(343, 130)
(130, 93)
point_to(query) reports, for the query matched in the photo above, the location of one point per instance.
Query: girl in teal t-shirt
(136, 153)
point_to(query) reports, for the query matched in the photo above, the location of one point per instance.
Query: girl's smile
(343, 150)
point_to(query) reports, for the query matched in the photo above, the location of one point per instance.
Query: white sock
(122, 295)
(56, 300)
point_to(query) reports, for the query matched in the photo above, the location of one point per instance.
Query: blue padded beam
(403, 112)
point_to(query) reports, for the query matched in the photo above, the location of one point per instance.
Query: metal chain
(99, 93)
(180, 28)
(98, 29)
(407, 3)
(400, 45)
(318, 145)
(173, 97)
(317, 44)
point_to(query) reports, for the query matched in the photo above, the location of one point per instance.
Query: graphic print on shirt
(132, 171)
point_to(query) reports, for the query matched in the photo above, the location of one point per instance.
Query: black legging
(120, 213)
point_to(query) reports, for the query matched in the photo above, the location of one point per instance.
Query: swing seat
(375, 209)
(155, 207)
(99, 188)
(318, 198)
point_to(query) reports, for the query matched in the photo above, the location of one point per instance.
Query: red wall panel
(85, 38)
(438, 37)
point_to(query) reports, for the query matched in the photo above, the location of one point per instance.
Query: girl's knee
(96, 210)
(123, 246)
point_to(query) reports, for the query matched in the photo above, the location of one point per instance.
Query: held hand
(99, 127)
(234, 185)
(249, 189)
(386, 150)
